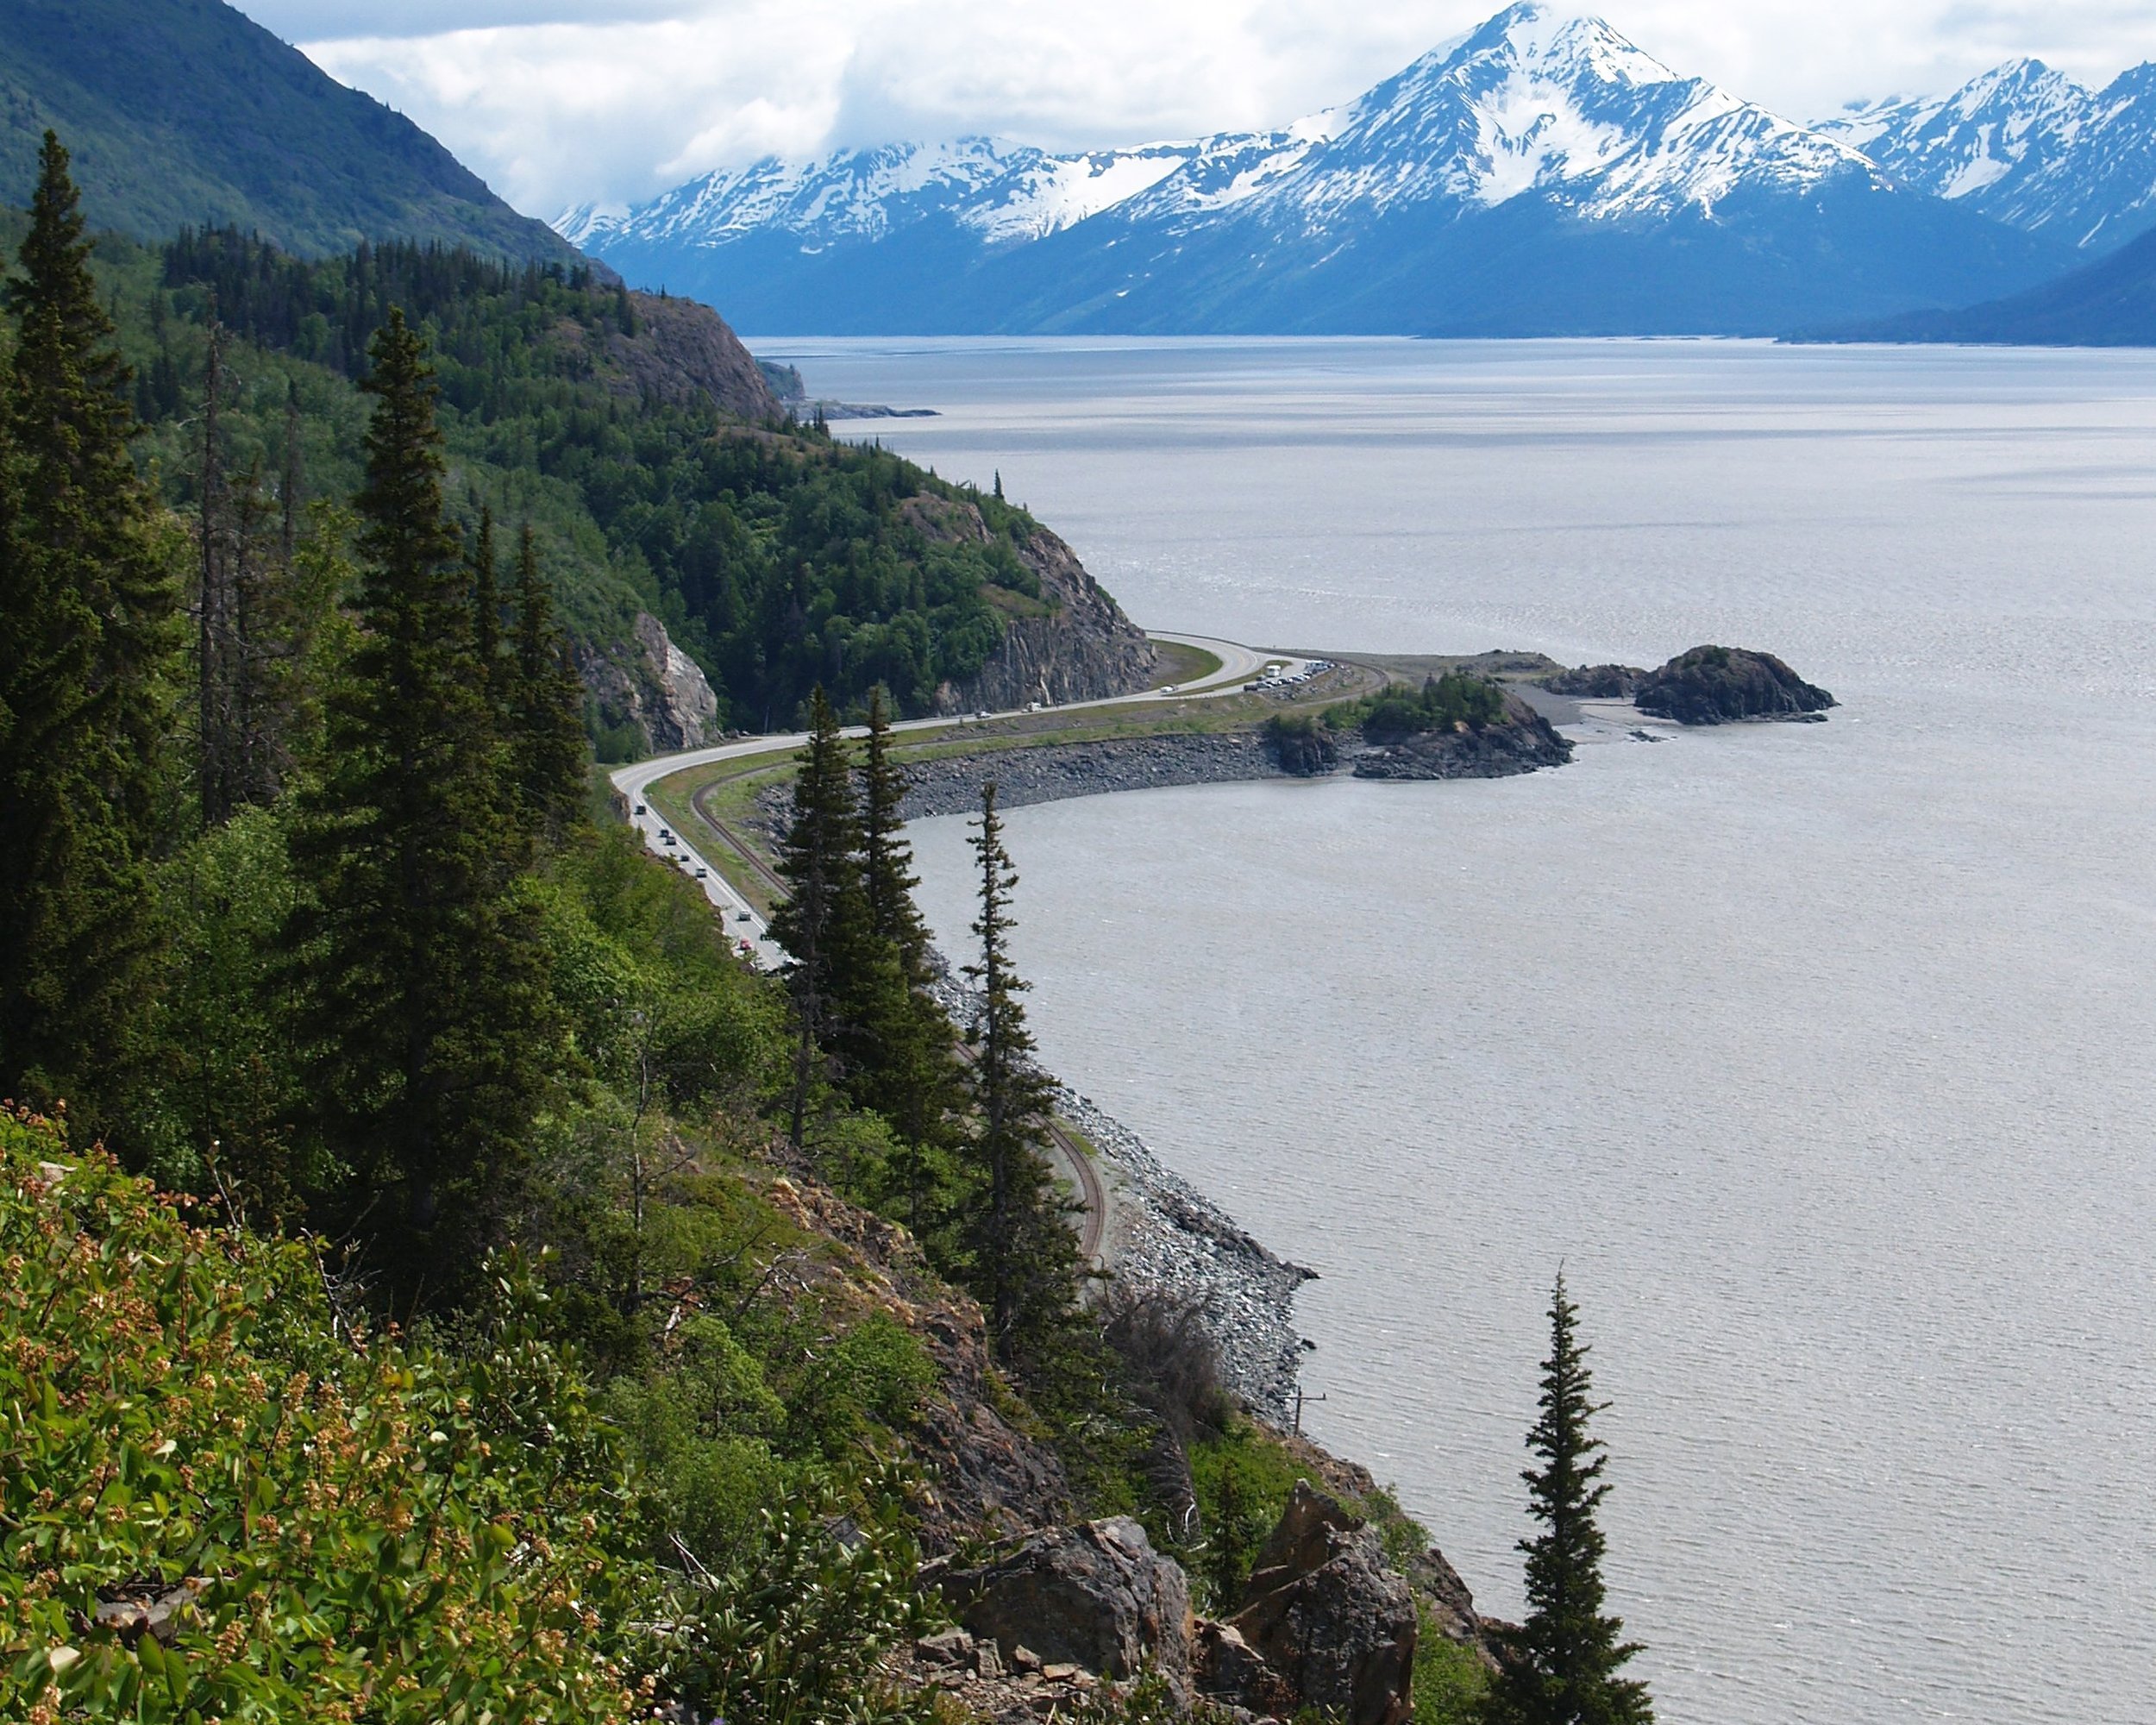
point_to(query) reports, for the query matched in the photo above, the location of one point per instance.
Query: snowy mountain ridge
(1533, 100)
(2026, 145)
(1540, 137)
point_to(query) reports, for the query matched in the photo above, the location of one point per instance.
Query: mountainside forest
(632, 433)
(182, 112)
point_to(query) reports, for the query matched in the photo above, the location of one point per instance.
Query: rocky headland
(1520, 741)
(1705, 686)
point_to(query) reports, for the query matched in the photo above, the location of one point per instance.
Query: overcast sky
(560, 102)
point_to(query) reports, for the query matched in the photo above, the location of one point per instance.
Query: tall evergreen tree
(545, 703)
(487, 601)
(1561, 1666)
(1025, 1257)
(823, 924)
(886, 858)
(88, 613)
(218, 746)
(435, 1039)
(909, 1072)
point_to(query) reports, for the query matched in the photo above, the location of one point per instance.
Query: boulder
(1326, 1613)
(1226, 1668)
(1096, 1596)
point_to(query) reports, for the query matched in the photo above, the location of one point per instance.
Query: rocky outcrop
(657, 688)
(1520, 741)
(1076, 645)
(683, 353)
(1302, 746)
(1724, 685)
(981, 1477)
(1326, 1619)
(1596, 682)
(1095, 1596)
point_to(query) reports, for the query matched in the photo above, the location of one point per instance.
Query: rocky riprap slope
(1168, 1239)
(1075, 644)
(1049, 772)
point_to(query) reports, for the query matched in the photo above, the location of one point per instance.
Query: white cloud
(558, 102)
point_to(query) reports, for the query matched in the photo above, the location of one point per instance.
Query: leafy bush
(791, 1635)
(1450, 1680)
(353, 1528)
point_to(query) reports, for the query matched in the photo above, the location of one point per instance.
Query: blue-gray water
(1818, 1055)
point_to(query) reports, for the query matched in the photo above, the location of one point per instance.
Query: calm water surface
(1820, 1056)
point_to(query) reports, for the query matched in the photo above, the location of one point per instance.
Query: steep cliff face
(650, 683)
(1073, 644)
(683, 355)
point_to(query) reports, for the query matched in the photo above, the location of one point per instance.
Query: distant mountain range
(1540, 175)
(184, 112)
(2027, 146)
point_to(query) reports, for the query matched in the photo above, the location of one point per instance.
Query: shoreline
(1162, 1236)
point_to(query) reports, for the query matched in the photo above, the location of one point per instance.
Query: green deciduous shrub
(360, 1528)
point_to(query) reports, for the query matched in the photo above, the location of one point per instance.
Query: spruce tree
(217, 745)
(434, 1038)
(1024, 1255)
(88, 614)
(545, 705)
(911, 1072)
(887, 859)
(487, 601)
(1561, 1666)
(823, 924)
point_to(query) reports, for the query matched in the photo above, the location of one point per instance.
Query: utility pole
(1299, 1399)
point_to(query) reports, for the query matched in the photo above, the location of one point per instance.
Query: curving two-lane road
(1239, 664)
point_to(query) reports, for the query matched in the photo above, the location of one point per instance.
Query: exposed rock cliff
(1720, 685)
(650, 683)
(682, 354)
(1076, 644)
(1327, 1615)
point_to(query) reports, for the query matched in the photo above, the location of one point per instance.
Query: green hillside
(777, 558)
(182, 112)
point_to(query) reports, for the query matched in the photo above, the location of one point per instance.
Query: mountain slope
(182, 112)
(2026, 146)
(1540, 175)
(2109, 304)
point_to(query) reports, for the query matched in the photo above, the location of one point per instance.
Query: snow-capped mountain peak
(2026, 145)
(1557, 104)
(1543, 131)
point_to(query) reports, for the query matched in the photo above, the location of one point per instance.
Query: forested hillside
(187, 112)
(636, 438)
(446, 1283)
